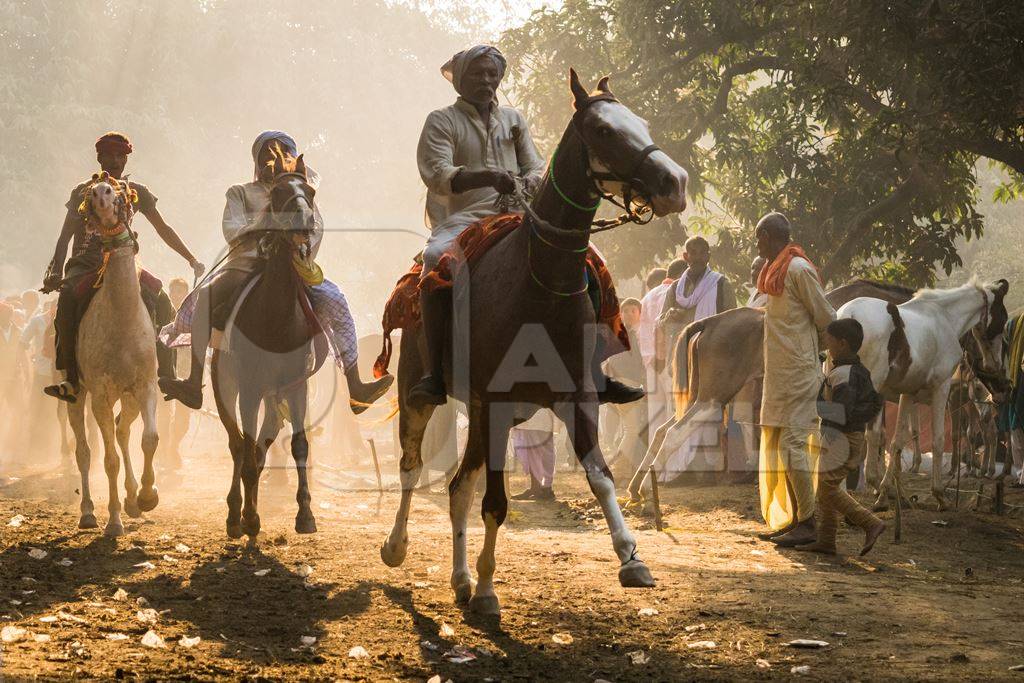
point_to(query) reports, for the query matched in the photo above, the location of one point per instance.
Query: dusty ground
(947, 603)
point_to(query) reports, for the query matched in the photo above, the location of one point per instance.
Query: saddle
(402, 310)
(317, 332)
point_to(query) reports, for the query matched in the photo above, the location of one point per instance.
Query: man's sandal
(64, 391)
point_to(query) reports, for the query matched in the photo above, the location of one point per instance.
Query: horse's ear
(1003, 287)
(300, 166)
(579, 93)
(278, 160)
(602, 86)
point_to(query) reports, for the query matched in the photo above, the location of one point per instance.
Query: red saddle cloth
(402, 310)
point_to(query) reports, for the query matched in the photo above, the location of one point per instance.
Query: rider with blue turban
(209, 307)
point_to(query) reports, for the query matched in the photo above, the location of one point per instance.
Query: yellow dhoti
(786, 475)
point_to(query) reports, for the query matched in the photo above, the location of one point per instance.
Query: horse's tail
(898, 346)
(685, 375)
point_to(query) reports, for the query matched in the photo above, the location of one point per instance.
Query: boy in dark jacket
(846, 403)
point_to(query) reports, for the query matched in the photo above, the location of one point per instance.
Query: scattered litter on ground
(152, 639)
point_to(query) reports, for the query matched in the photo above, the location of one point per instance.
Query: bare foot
(870, 536)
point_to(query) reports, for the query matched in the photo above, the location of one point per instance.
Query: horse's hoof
(113, 530)
(393, 554)
(131, 508)
(148, 499)
(485, 604)
(305, 524)
(251, 527)
(881, 504)
(463, 592)
(635, 574)
(916, 469)
(234, 529)
(940, 500)
(87, 522)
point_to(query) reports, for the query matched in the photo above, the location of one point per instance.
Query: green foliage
(861, 121)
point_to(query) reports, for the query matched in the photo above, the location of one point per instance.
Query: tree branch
(860, 225)
(1009, 153)
(721, 103)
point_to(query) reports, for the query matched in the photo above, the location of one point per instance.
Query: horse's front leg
(460, 497)
(104, 414)
(248, 408)
(129, 411)
(83, 455)
(412, 424)
(899, 440)
(938, 405)
(873, 460)
(305, 523)
(653, 450)
(492, 443)
(148, 496)
(580, 417)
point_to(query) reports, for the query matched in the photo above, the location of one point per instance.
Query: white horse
(117, 358)
(912, 351)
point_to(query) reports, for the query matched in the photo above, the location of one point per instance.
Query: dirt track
(945, 604)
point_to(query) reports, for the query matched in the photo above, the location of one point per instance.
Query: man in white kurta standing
(796, 314)
(657, 383)
(699, 293)
(470, 154)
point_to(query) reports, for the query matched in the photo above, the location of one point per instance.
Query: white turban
(455, 68)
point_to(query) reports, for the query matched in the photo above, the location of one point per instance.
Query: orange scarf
(772, 279)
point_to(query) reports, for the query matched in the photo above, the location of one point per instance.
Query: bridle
(632, 187)
(276, 216)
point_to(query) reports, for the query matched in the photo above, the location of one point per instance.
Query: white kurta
(792, 370)
(455, 138)
(243, 209)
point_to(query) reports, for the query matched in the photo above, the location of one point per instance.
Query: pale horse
(117, 361)
(912, 351)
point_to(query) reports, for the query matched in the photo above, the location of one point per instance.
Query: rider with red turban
(112, 150)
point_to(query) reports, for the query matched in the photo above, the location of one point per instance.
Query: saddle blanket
(402, 310)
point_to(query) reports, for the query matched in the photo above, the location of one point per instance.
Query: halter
(271, 233)
(641, 217)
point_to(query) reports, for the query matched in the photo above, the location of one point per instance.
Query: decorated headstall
(108, 205)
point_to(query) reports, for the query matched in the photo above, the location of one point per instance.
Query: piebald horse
(912, 351)
(116, 355)
(527, 299)
(715, 362)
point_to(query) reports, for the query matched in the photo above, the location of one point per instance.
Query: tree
(862, 121)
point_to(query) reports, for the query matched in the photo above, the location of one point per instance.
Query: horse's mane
(933, 294)
(886, 286)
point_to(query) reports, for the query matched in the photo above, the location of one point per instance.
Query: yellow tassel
(101, 271)
(311, 274)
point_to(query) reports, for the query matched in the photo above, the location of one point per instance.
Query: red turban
(116, 143)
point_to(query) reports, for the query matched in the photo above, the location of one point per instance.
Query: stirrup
(65, 391)
(381, 387)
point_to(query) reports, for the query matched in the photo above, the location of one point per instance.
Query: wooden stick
(898, 533)
(999, 496)
(376, 464)
(655, 499)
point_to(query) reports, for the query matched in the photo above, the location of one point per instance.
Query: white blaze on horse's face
(622, 137)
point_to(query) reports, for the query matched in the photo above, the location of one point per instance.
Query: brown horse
(266, 357)
(525, 335)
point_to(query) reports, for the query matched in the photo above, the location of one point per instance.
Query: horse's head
(290, 214)
(986, 354)
(624, 161)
